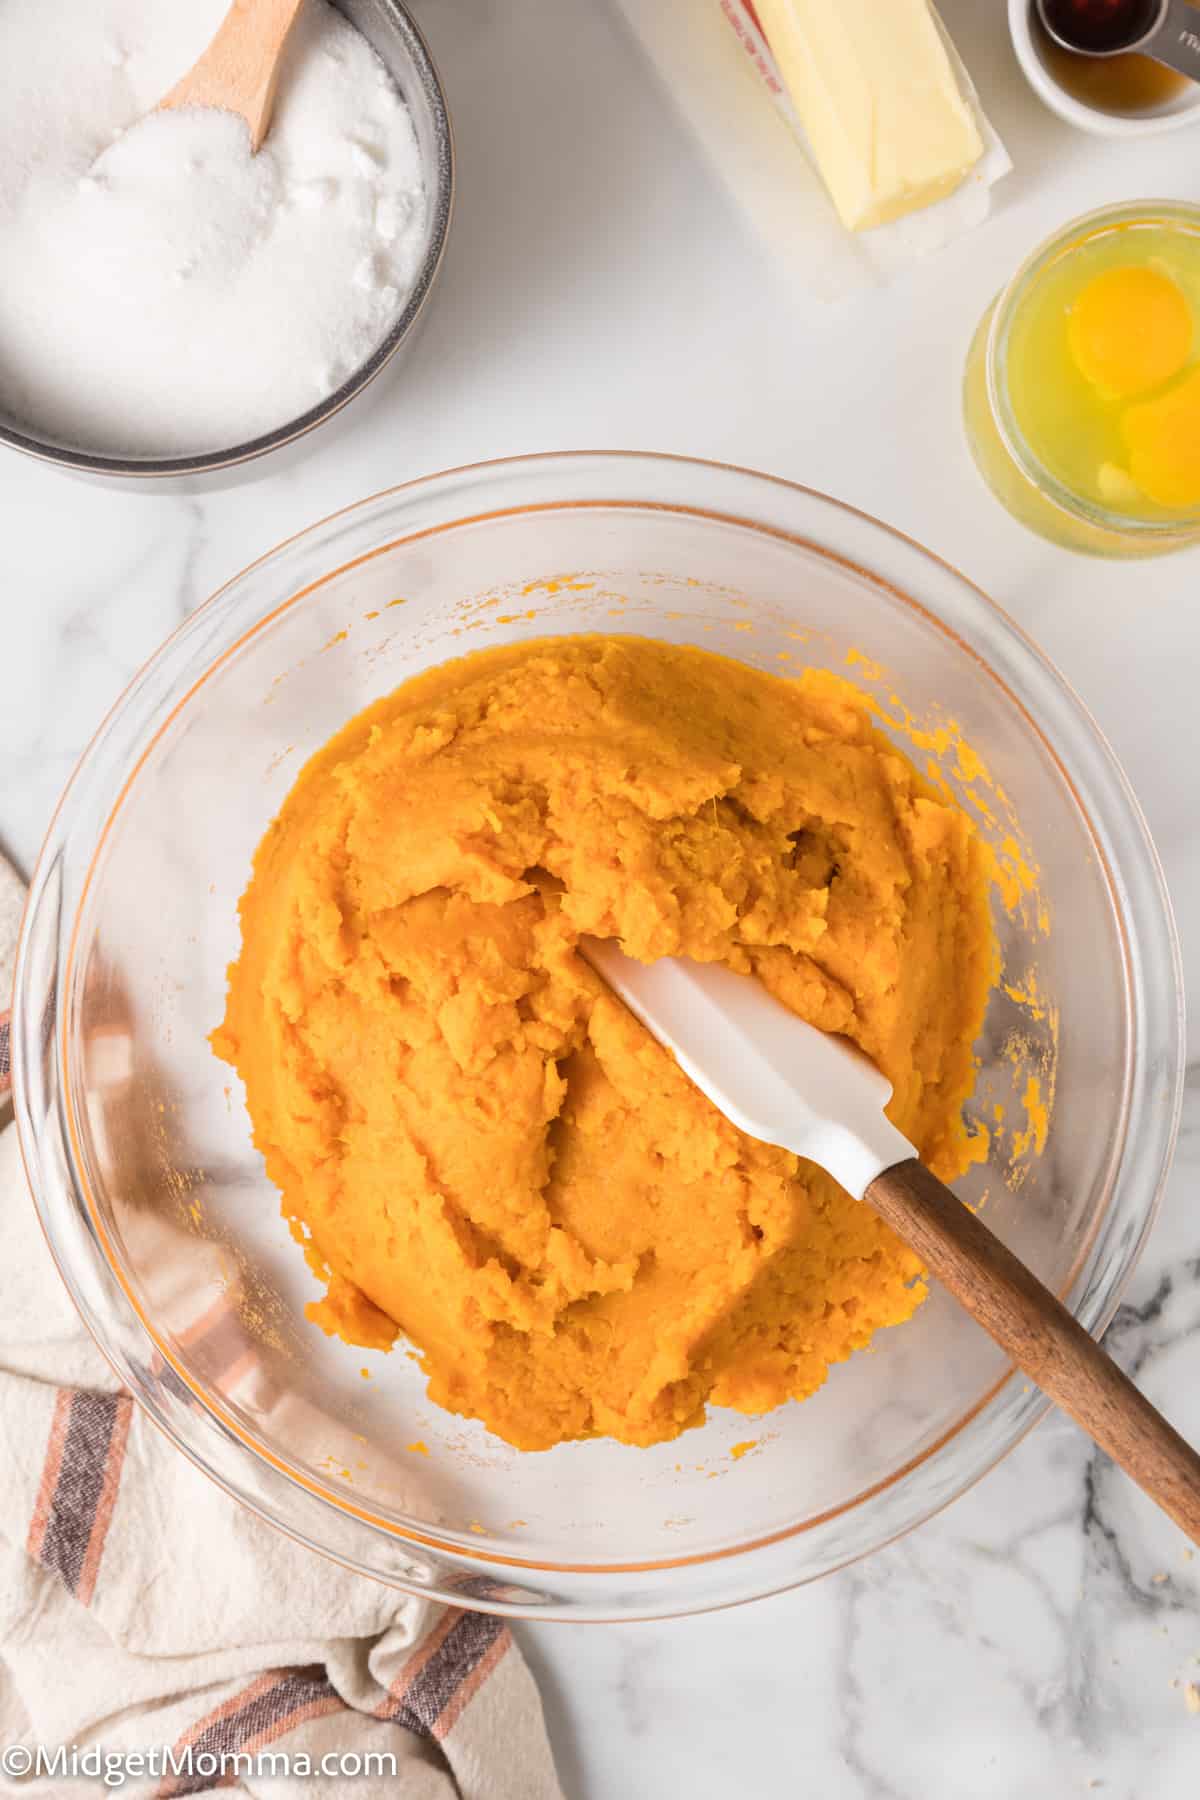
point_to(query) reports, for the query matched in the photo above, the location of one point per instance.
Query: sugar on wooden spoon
(239, 71)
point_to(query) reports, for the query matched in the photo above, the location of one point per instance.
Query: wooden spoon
(239, 71)
(783, 1081)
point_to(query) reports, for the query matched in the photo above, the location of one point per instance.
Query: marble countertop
(1036, 1640)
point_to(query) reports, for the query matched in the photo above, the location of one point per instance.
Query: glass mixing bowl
(138, 1149)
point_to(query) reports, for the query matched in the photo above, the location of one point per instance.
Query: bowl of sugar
(175, 305)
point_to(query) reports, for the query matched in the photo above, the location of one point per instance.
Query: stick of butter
(888, 123)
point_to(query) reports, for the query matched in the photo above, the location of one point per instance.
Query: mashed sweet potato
(483, 1151)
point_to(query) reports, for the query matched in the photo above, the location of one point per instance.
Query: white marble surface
(601, 291)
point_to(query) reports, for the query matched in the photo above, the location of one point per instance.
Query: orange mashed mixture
(481, 1149)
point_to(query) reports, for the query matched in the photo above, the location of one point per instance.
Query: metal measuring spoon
(1167, 30)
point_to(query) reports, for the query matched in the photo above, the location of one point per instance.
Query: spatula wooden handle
(1040, 1335)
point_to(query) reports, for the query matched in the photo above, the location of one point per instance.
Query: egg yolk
(1130, 330)
(1163, 438)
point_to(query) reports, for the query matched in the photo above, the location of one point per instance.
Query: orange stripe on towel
(171, 1784)
(203, 1323)
(416, 1662)
(113, 1464)
(454, 1708)
(235, 1703)
(311, 1709)
(50, 1473)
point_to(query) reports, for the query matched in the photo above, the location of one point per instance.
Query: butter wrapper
(716, 65)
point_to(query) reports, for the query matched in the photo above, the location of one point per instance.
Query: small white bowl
(1184, 109)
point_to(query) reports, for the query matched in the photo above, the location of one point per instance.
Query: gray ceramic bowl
(390, 31)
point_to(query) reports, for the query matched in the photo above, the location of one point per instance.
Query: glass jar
(1017, 477)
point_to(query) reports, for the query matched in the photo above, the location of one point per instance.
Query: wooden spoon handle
(1040, 1335)
(240, 69)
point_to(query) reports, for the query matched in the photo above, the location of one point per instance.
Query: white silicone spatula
(783, 1081)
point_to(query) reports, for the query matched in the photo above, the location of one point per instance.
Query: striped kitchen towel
(144, 1614)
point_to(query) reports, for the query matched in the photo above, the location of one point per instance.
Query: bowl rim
(472, 1554)
(440, 177)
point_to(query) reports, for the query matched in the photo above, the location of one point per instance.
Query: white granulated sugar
(163, 292)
